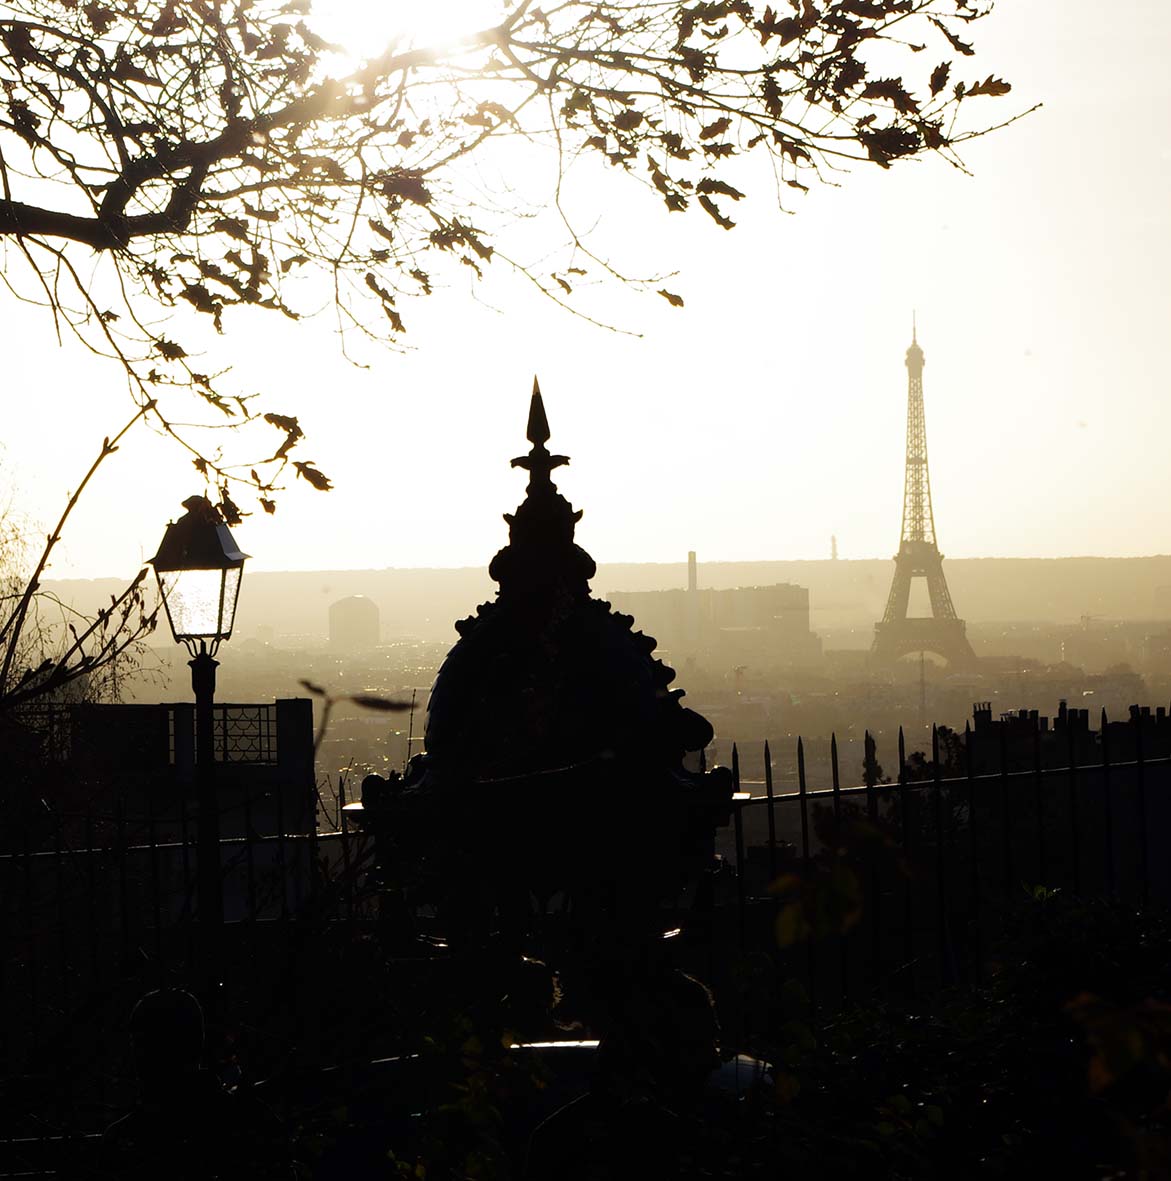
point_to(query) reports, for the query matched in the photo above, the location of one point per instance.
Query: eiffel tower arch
(942, 632)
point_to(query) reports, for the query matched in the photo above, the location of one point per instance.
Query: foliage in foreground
(1060, 1065)
(211, 155)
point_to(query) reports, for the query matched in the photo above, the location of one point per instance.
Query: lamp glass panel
(231, 593)
(194, 600)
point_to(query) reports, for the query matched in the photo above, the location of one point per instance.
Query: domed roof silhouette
(547, 677)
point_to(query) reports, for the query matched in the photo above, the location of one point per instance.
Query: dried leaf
(996, 87)
(382, 704)
(318, 479)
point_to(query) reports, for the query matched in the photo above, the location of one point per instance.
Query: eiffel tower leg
(941, 604)
(900, 593)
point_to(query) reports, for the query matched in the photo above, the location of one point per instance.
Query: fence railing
(102, 909)
(940, 856)
(918, 876)
(156, 734)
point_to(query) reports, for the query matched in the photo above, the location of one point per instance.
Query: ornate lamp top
(541, 553)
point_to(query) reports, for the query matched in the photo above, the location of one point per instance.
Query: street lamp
(198, 567)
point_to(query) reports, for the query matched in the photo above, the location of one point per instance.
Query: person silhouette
(187, 1126)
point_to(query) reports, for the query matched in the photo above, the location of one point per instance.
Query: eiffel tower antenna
(942, 632)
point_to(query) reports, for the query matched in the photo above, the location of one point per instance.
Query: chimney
(692, 580)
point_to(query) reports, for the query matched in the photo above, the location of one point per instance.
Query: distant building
(754, 626)
(1024, 739)
(354, 623)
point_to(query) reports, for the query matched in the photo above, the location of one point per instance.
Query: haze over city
(765, 415)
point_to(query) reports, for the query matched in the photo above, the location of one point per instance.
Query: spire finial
(914, 326)
(538, 429)
(541, 552)
(538, 463)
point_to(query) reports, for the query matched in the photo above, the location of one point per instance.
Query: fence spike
(810, 951)
(1140, 782)
(772, 819)
(843, 946)
(973, 833)
(904, 805)
(1074, 811)
(1108, 810)
(738, 821)
(944, 945)
(876, 928)
(1039, 789)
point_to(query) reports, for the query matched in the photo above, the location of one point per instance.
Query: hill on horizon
(844, 593)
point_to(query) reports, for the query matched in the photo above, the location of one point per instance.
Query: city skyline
(764, 416)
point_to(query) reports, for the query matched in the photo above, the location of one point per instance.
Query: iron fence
(938, 863)
(157, 734)
(918, 875)
(101, 910)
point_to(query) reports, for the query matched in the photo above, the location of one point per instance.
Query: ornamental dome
(546, 677)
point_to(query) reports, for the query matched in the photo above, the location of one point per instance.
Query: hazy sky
(767, 414)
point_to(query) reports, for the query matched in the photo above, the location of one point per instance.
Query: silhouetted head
(166, 1029)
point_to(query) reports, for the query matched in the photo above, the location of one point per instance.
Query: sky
(768, 413)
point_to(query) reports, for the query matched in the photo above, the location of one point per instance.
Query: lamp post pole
(210, 886)
(199, 567)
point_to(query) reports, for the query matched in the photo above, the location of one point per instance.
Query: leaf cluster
(218, 155)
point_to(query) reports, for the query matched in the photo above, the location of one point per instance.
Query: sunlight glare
(366, 27)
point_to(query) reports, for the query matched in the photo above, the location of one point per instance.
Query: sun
(364, 28)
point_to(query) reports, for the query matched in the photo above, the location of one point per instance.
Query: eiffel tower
(941, 632)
